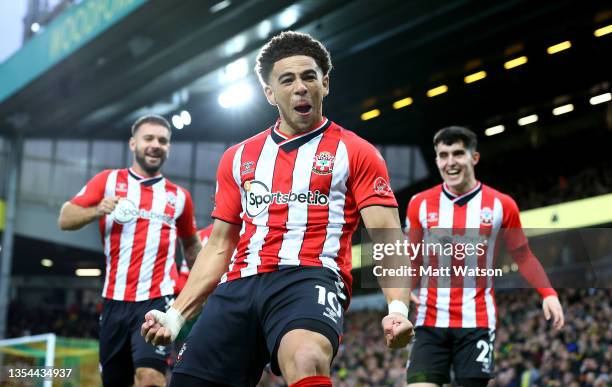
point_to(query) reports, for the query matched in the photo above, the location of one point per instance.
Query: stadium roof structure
(99, 65)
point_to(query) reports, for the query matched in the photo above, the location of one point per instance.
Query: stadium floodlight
(35, 27)
(88, 272)
(497, 129)
(603, 31)
(437, 91)
(46, 262)
(235, 95)
(562, 109)
(475, 77)
(402, 103)
(235, 45)
(288, 17)
(530, 119)
(559, 47)
(512, 63)
(185, 117)
(220, 6)
(236, 70)
(264, 28)
(370, 114)
(177, 121)
(601, 98)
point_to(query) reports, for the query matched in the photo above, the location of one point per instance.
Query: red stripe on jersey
(278, 214)
(139, 244)
(345, 254)
(250, 154)
(164, 244)
(456, 291)
(115, 238)
(316, 232)
(433, 206)
(482, 317)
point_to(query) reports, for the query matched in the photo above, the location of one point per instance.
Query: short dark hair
(290, 43)
(454, 134)
(151, 119)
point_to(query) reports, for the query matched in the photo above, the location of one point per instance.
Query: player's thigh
(473, 354)
(430, 357)
(226, 344)
(302, 349)
(116, 365)
(302, 299)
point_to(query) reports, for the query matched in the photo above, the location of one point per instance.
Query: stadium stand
(527, 352)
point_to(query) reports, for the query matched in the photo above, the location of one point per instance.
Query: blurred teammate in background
(456, 324)
(288, 201)
(140, 214)
(184, 270)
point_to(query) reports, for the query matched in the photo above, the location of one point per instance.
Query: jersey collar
(147, 181)
(288, 144)
(461, 200)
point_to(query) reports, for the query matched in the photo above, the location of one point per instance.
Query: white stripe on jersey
(127, 241)
(424, 280)
(109, 191)
(472, 225)
(445, 216)
(264, 172)
(167, 285)
(297, 213)
(335, 216)
(236, 175)
(152, 243)
(498, 215)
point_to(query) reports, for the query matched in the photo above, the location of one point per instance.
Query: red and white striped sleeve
(368, 179)
(93, 192)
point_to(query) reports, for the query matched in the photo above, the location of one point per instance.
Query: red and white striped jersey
(184, 270)
(483, 211)
(298, 198)
(140, 249)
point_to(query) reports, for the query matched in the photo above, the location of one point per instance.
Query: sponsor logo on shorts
(258, 197)
(180, 354)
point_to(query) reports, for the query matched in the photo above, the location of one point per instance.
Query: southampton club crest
(323, 163)
(486, 216)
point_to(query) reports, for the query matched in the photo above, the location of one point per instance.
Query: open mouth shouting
(303, 109)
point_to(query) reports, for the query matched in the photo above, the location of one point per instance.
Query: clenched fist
(106, 206)
(398, 330)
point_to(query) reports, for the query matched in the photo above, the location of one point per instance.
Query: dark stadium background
(165, 57)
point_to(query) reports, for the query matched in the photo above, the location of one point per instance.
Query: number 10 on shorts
(333, 310)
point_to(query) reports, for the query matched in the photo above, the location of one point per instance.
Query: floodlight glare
(185, 117)
(235, 95)
(177, 121)
(494, 130)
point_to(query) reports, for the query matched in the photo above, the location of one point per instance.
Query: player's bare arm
(161, 328)
(191, 248)
(552, 309)
(73, 217)
(397, 329)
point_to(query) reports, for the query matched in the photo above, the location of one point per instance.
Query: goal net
(74, 362)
